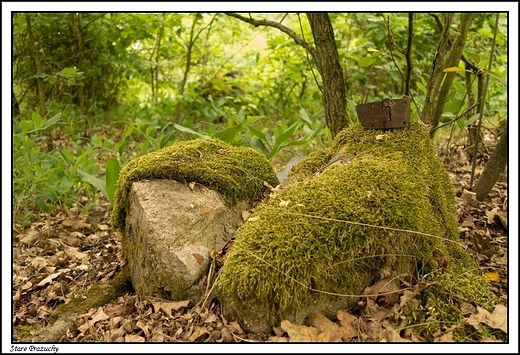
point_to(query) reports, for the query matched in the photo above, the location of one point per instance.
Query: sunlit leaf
(98, 183)
(37, 120)
(366, 61)
(51, 121)
(229, 134)
(453, 69)
(187, 130)
(112, 174)
(26, 125)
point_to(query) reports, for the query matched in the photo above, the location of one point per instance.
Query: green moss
(96, 296)
(237, 173)
(346, 224)
(24, 331)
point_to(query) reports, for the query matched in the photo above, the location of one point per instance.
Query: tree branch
(469, 63)
(279, 26)
(408, 54)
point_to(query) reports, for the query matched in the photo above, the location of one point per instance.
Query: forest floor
(60, 256)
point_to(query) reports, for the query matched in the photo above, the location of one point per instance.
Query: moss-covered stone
(374, 203)
(237, 173)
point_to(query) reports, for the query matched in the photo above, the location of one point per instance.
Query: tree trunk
(436, 75)
(37, 61)
(494, 168)
(453, 60)
(76, 28)
(327, 61)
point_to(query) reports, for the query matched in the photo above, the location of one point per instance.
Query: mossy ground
(336, 228)
(237, 173)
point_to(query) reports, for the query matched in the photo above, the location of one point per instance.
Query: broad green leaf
(497, 109)
(497, 77)
(258, 133)
(41, 205)
(304, 116)
(121, 146)
(187, 130)
(37, 119)
(472, 119)
(446, 117)
(111, 176)
(459, 87)
(283, 139)
(98, 183)
(257, 144)
(26, 125)
(165, 139)
(455, 106)
(68, 156)
(399, 54)
(227, 135)
(461, 123)
(474, 56)
(366, 61)
(51, 121)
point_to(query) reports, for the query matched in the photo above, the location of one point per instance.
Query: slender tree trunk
(436, 75)
(76, 27)
(189, 49)
(39, 81)
(494, 168)
(453, 60)
(327, 61)
(37, 61)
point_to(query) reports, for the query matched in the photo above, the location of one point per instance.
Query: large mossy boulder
(174, 205)
(374, 204)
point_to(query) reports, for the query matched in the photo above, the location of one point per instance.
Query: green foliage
(151, 79)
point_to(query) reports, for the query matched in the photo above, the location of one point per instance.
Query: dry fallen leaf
(168, 307)
(199, 258)
(391, 335)
(73, 251)
(496, 320)
(39, 263)
(385, 289)
(245, 215)
(29, 236)
(491, 276)
(323, 324)
(48, 279)
(99, 315)
(348, 330)
(198, 334)
(302, 333)
(442, 260)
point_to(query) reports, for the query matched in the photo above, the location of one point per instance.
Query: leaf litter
(60, 255)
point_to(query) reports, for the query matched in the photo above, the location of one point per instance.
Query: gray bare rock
(170, 230)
